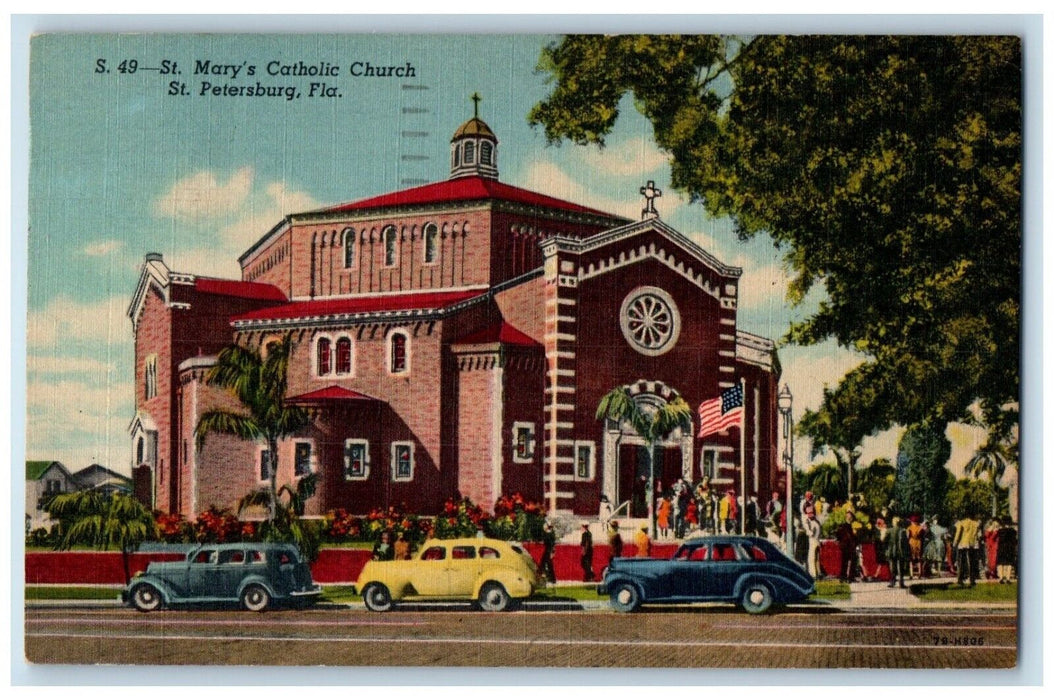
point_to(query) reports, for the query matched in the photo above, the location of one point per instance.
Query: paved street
(704, 637)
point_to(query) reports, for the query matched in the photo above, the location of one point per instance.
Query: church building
(455, 338)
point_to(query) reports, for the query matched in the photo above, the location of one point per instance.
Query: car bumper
(317, 590)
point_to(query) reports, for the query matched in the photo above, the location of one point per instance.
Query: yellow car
(491, 572)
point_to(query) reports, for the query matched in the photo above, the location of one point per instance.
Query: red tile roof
(237, 288)
(330, 393)
(465, 189)
(500, 332)
(359, 305)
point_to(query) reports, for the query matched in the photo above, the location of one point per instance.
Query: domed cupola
(474, 148)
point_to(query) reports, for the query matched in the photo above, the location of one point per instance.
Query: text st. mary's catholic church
(453, 338)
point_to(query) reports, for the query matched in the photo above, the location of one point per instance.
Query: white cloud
(763, 286)
(79, 422)
(66, 322)
(548, 178)
(53, 364)
(202, 196)
(262, 211)
(634, 157)
(103, 248)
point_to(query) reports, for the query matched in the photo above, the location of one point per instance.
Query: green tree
(96, 520)
(887, 168)
(651, 425)
(973, 496)
(922, 481)
(826, 481)
(258, 380)
(991, 460)
(876, 482)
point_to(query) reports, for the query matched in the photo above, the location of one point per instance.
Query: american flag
(723, 412)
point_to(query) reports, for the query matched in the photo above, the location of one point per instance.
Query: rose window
(650, 320)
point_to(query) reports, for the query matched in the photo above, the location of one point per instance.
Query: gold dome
(474, 127)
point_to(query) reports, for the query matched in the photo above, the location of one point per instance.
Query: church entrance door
(633, 474)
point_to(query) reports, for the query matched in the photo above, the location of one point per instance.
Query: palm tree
(618, 405)
(259, 381)
(286, 525)
(91, 518)
(991, 459)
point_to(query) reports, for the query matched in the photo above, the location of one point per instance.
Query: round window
(650, 320)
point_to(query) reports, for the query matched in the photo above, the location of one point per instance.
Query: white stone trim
(726, 385)
(560, 373)
(560, 389)
(557, 301)
(724, 368)
(559, 424)
(561, 355)
(726, 353)
(566, 319)
(728, 321)
(562, 407)
(558, 477)
(726, 336)
(569, 337)
(393, 462)
(365, 460)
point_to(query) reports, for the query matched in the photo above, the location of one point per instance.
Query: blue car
(747, 571)
(255, 574)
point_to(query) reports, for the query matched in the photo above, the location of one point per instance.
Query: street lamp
(784, 401)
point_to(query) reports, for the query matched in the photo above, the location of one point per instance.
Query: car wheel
(493, 597)
(757, 598)
(377, 597)
(146, 598)
(255, 598)
(625, 597)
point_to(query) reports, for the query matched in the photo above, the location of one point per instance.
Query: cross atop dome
(474, 147)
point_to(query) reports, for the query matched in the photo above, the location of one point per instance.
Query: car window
(285, 557)
(699, 554)
(723, 552)
(434, 554)
(463, 553)
(257, 557)
(516, 548)
(489, 553)
(232, 556)
(753, 552)
(205, 556)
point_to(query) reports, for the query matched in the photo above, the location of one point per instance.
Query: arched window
(457, 157)
(485, 151)
(398, 361)
(470, 152)
(344, 355)
(139, 451)
(349, 247)
(431, 235)
(388, 236)
(322, 363)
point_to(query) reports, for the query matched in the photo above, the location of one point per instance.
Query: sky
(120, 167)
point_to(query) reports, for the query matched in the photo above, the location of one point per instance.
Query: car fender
(514, 582)
(613, 580)
(167, 594)
(393, 575)
(258, 580)
(782, 590)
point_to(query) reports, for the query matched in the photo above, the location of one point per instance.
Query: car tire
(625, 597)
(377, 597)
(757, 598)
(147, 598)
(255, 598)
(494, 598)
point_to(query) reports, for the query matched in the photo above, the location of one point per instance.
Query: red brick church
(454, 338)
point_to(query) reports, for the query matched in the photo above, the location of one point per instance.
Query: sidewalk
(878, 594)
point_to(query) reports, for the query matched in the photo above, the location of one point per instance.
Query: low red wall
(343, 565)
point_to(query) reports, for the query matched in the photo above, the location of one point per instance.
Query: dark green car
(255, 574)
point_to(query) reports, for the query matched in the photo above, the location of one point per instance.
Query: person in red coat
(991, 547)
(847, 548)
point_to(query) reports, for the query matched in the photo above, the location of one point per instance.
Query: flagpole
(743, 457)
